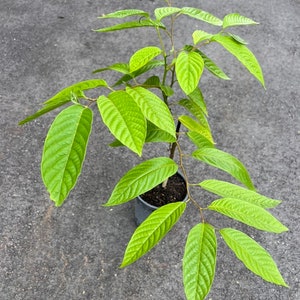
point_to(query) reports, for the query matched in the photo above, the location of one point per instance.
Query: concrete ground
(74, 252)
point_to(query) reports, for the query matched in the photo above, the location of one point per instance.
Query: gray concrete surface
(74, 252)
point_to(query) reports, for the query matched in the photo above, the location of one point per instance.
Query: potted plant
(157, 98)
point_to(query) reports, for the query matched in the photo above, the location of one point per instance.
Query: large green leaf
(193, 125)
(124, 118)
(254, 256)
(195, 110)
(162, 12)
(142, 56)
(197, 97)
(236, 19)
(189, 67)
(153, 108)
(247, 213)
(124, 13)
(152, 230)
(243, 54)
(132, 24)
(212, 67)
(65, 96)
(199, 261)
(226, 162)
(199, 140)
(142, 178)
(226, 189)
(201, 15)
(64, 151)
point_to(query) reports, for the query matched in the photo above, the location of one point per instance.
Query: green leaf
(243, 54)
(152, 230)
(124, 119)
(142, 56)
(237, 38)
(248, 213)
(149, 66)
(142, 178)
(199, 140)
(124, 13)
(254, 256)
(189, 67)
(212, 67)
(199, 261)
(155, 134)
(163, 12)
(195, 110)
(236, 19)
(132, 24)
(226, 162)
(202, 15)
(119, 67)
(197, 97)
(153, 108)
(66, 95)
(226, 189)
(200, 36)
(193, 125)
(64, 151)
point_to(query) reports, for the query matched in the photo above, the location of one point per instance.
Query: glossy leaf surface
(199, 261)
(163, 12)
(202, 15)
(124, 119)
(254, 256)
(152, 230)
(248, 213)
(236, 19)
(64, 151)
(226, 189)
(142, 178)
(226, 162)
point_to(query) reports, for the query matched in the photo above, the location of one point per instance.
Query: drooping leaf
(124, 13)
(195, 110)
(243, 54)
(163, 12)
(237, 38)
(124, 118)
(132, 24)
(226, 189)
(199, 140)
(64, 151)
(142, 56)
(189, 68)
(254, 256)
(149, 66)
(199, 261)
(152, 230)
(200, 36)
(197, 97)
(248, 213)
(212, 67)
(119, 67)
(65, 96)
(193, 125)
(142, 178)
(202, 15)
(236, 19)
(226, 162)
(153, 108)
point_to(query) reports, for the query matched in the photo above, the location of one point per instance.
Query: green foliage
(255, 257)
(156, 88)
(64, 151)
(199, 261)
(152, 230)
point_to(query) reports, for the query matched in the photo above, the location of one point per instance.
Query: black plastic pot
(143, 209)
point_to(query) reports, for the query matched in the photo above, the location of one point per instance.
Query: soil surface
(174, 191)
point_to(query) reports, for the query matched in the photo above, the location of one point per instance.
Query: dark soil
(174, 191)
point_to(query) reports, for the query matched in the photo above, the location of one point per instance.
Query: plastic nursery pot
(174, 192)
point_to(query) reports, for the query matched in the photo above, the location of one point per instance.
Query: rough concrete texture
(74, 252)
